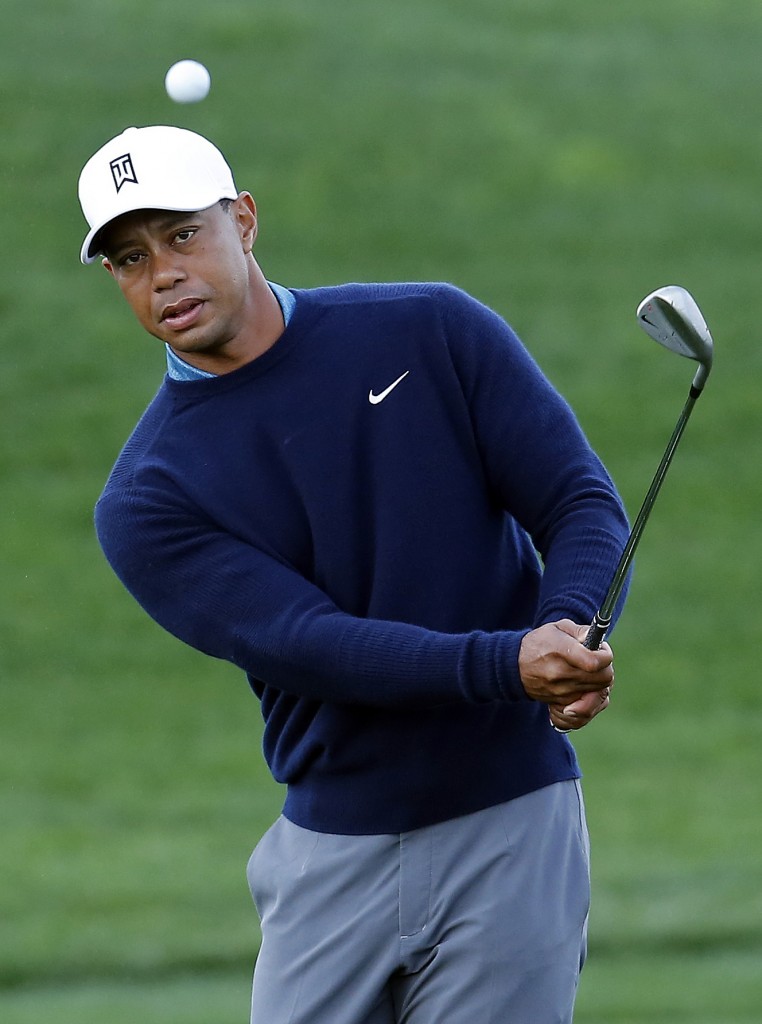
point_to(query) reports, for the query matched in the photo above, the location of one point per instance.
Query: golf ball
(187, 81)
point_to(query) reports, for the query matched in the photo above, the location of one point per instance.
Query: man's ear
(107, 265)
(245, 212)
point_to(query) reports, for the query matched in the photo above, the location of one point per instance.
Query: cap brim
(90, 248)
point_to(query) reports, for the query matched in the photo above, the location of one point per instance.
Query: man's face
(186, 275)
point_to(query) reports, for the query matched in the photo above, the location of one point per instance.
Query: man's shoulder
(141, 440)
(357, 293)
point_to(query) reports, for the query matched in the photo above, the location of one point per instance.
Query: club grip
(596, 634)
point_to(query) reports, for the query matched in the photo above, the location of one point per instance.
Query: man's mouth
(183, 314)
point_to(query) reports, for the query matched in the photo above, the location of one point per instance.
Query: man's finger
(590, 705)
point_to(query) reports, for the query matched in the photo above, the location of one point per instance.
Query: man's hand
(556, 669)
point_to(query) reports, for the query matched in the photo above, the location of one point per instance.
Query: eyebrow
(163, 223)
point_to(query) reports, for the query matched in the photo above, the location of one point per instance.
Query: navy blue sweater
(373, 565)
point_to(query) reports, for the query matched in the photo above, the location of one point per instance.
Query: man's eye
(130, 259)
(185, 235)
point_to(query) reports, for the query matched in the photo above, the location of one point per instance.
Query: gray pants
(478, 920)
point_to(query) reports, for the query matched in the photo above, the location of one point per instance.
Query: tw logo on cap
(122, 171)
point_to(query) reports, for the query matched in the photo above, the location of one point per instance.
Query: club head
(671, 317)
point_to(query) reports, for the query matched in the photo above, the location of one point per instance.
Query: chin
(190, 343)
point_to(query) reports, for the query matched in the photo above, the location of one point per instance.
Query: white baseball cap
(153, 168)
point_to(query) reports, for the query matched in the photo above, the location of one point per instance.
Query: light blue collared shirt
(178, 369)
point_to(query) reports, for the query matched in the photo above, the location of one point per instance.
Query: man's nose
(167, 271)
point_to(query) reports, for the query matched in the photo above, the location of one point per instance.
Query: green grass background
(559, 161)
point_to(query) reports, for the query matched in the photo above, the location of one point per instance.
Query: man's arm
(228, 599)
(537, 460)
(546, 475)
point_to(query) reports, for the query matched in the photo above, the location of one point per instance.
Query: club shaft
(602, 620)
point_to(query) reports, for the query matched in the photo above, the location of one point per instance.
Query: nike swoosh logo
(375, 399)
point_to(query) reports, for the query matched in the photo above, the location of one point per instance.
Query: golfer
(371, 500)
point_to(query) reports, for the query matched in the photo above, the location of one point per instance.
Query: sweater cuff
(493, 666)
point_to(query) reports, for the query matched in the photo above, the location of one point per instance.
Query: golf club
(671, 317)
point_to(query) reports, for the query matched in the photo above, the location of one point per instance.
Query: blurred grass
(559, 161)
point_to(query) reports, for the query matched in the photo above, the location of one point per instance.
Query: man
(344, 492)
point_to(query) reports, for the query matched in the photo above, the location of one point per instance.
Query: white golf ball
(187, 82)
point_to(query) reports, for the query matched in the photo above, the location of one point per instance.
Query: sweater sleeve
(538, 461)
(227, 599)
